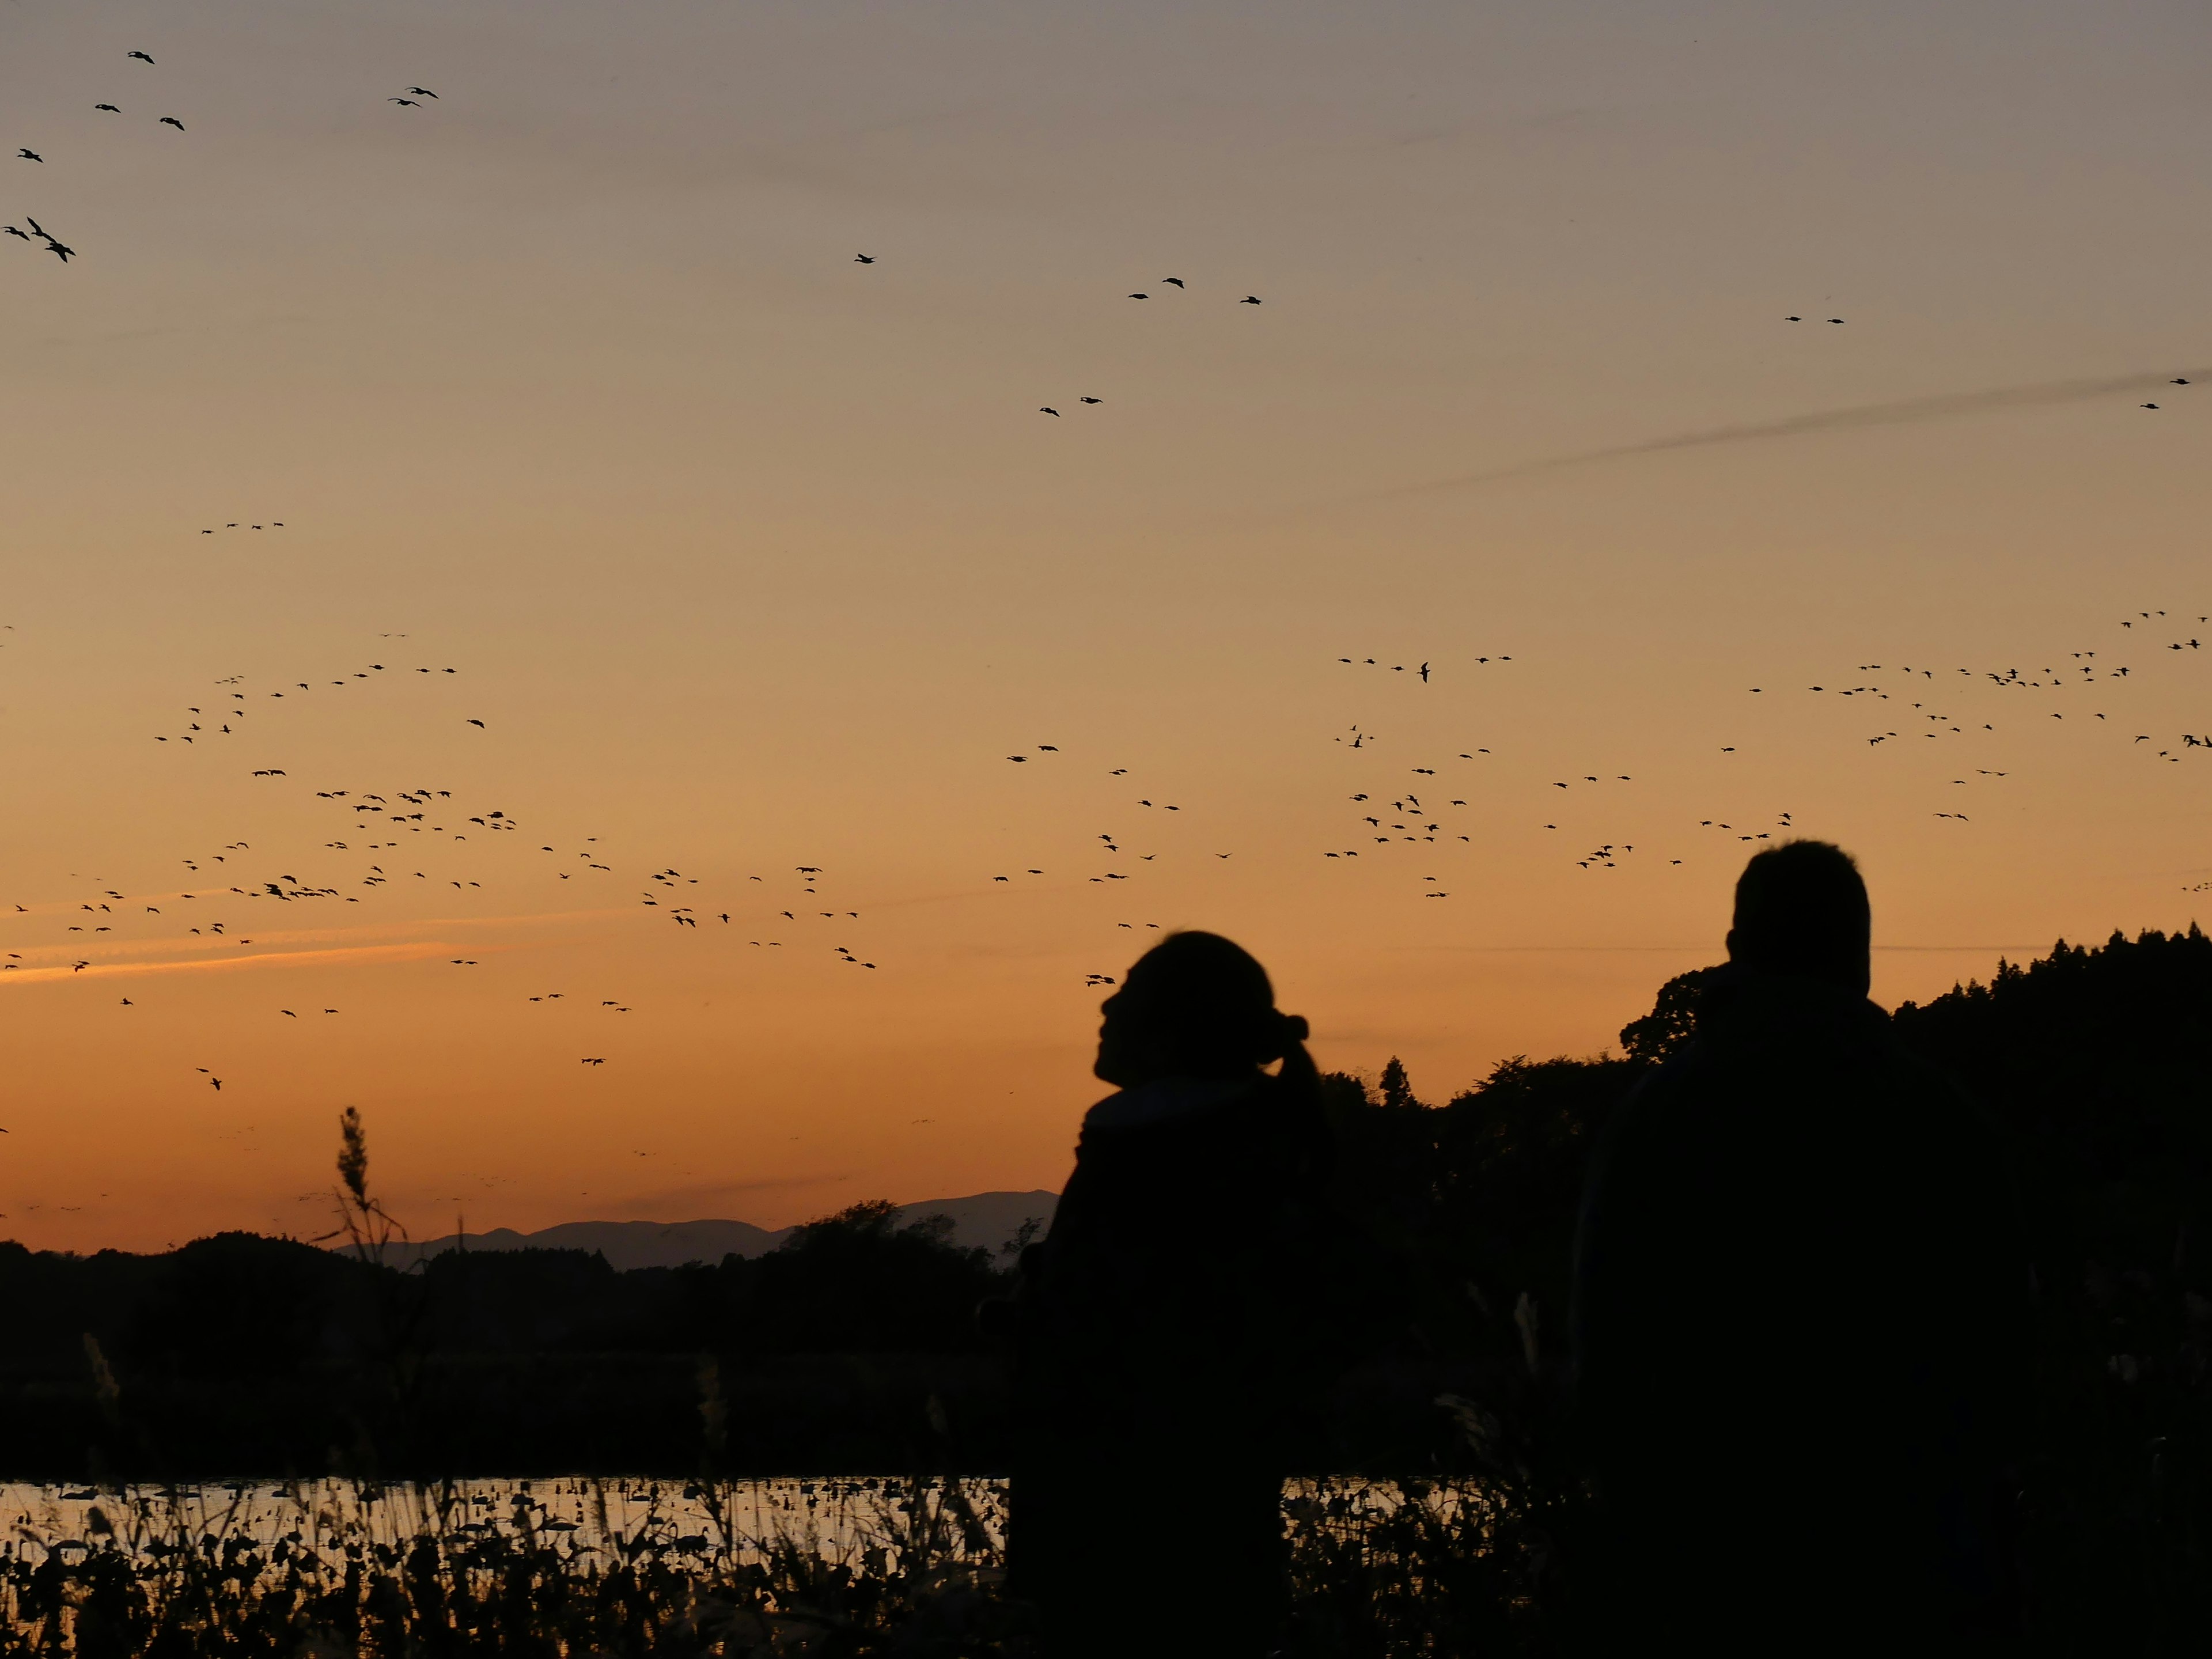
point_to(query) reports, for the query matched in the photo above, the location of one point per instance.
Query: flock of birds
(412, 834)
(381, 834)
(1175, 282)
(384, 835)
(61, 250)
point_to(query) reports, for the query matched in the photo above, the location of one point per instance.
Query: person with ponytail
(1160, 1349)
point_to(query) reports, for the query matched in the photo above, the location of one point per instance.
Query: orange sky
(750, 557)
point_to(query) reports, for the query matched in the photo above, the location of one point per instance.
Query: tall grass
(912, 1570)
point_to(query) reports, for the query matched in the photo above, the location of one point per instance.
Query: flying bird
(423, 92)
(109, 108)
(140, 56)
(31, 155)
(479, 724)
(1047, 409)
(1425, 673)
(1249, 300)
(864, 259)
(1141, 296)
(171, 121)
(405, 103)
(1090, 400)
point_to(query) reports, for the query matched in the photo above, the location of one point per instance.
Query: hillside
(981, 1221)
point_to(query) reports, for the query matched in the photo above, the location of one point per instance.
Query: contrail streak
(1909, 411)
(418, 950)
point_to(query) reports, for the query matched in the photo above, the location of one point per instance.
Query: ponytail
(1298, 1086)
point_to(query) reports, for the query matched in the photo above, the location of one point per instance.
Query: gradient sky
(750, 557)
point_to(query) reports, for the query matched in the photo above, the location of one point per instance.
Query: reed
(911, 1570)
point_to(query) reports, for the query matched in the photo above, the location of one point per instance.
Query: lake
(834, 1518)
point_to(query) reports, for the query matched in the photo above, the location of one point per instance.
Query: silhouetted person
(1158, 1327)
(1802, 1316)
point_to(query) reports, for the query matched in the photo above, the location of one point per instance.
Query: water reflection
(865, 1521)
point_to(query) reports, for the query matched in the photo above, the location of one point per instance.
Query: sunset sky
(754, 560)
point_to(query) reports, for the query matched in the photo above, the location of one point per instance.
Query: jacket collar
(1164, 1100)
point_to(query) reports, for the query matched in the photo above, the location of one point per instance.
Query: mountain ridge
(980, 1221)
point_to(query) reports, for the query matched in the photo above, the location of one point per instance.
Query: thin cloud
(392, 952)
(403, 949)
(1908, 411)
(416, 951)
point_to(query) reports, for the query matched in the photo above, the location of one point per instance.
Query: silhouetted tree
(859, 1282)
(1397, 1088)
(1673, 1018)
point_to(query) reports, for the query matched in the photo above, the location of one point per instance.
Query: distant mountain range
(982, 1220)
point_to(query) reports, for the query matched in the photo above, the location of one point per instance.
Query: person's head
(1194, 1005)
(1801, 908)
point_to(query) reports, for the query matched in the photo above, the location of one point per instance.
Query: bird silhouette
(171, 121)
(423, 92)
(479, 724)
(31, 155)
(109, 108)
(1249, 300)
(405, 103)
(140, 56)
(1090, 400)
(1047, 409)
(864, 259)
(1141, 296)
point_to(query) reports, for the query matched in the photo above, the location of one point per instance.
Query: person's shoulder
(1650, 1112)
(1940, 1099)
(1660, 1089)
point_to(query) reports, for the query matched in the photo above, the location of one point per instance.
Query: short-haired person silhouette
(1802, 1316)
(1157, 1326)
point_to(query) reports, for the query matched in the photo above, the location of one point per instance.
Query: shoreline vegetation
(851, 1350)
(909, 1568)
